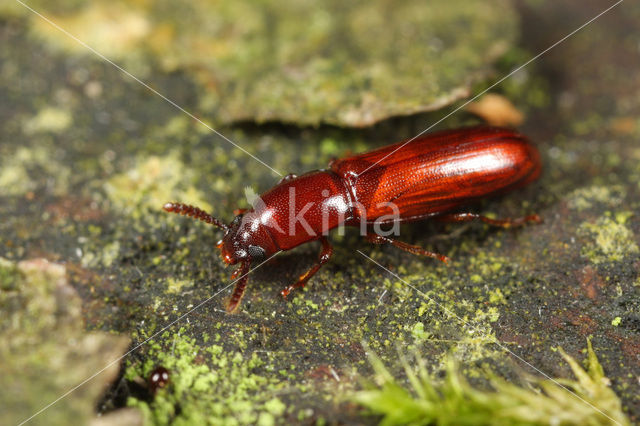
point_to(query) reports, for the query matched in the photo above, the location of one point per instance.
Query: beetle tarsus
(504, 223)
(379, 239)
(325, 255)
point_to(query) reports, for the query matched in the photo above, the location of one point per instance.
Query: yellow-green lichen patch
(587, 399)
(48, 119)
(585, 198)
(45, 350)
(346, 63)
(448, 322)
(150, 183)
(175, 286)
(29, 168)
(208, 385)
(112, 28)
(608, 239)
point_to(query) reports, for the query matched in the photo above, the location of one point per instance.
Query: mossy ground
(298, 62)
(88, 157)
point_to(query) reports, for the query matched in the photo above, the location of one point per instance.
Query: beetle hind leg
(379, 239)
(325, 255)
(504, 223)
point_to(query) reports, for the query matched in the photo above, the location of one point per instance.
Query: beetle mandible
(433, 175)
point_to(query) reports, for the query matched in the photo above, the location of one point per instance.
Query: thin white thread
(465, 323)
(88, 379)
(127, 73)
(491, 87)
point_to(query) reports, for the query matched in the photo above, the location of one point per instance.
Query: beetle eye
(256, 252)
(240, 254)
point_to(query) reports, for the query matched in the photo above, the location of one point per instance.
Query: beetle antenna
(194, 212)
(238, 291)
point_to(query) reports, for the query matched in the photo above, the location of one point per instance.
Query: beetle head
(245, 240)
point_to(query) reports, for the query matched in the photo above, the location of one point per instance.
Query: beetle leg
(379, 239)
(325, 255)
(238, 291)
(505, 223)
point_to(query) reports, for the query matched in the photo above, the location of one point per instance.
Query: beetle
(158, 379)
(433, 175)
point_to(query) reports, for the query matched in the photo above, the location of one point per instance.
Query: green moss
(452, 400)
(419, 332)
(607, 239)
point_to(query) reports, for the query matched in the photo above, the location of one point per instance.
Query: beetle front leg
(504, 223)
(379, 239)
(238, 291)
(325, 255)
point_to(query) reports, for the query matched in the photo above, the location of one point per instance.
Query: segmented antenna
(194, 212)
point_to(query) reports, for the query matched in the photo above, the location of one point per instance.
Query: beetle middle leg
(325, 255)
(504, 223)
(379, 239)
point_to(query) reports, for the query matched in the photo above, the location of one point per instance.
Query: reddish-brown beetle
(430, 176)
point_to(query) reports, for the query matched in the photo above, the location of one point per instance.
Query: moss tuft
(586, 400)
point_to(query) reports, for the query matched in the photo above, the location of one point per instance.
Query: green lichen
(608, 239)
(151, 182)
(49, 119)
(175, 286)
(28, 167)
(209, 385)
(351, 64)
(10, 275)
(586, 198)
(585, 400)
(45, 350)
